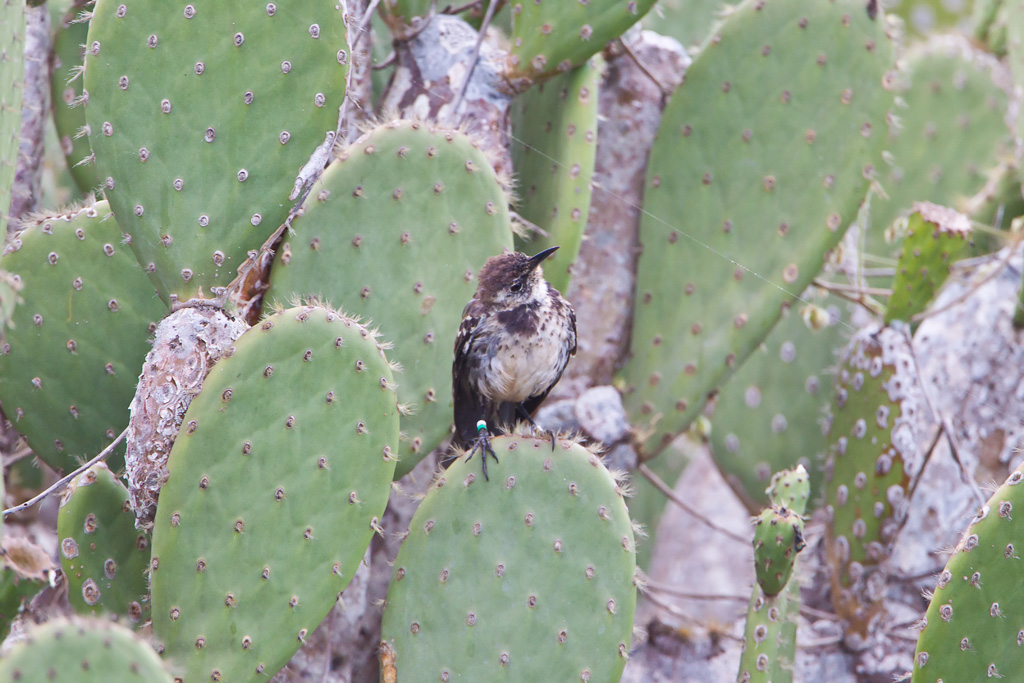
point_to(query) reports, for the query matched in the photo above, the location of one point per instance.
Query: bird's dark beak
(538, 259)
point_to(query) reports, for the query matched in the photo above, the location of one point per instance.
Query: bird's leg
(483, 443)
(521, 410)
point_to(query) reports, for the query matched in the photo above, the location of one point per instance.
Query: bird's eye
(516, 286)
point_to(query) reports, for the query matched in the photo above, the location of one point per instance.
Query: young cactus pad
(103, 557)
(874, 459)
(82, 651)
(554, 146)
(778, 537)
(554, 36)
(395, 231)
(200, 115)
(935, 237)
(974, 628)
(277, 479)
(791, 489)
(70, 355)
(526, 577)
(769, 639)
(762, 158)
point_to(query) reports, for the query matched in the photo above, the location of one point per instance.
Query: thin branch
(665, 92)
(856, 289)
(965, 476)
(491, 5)
(1003, 262)
(529, 225)
(658, 587)
(659, 484)
(388, 61)
(461, 8)
(870, 305)
(364, 22)
(67, 479)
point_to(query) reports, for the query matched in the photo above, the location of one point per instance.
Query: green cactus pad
(935, 237)
(103, 557)
(12, 67)
(778, 537)
(688, 21)
(761, 160)
(791, 489)
(82, 651)
(70, 356)
(974, 629)
(65, 95)
(395, 231)
(874, 459)
(769, 640)
(554, 36)
(200, 116)
(279, 474)
(769, 415)
(554, 146)
(949, 136)
(526, 577)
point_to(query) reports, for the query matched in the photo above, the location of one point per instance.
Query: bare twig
(364, 23)
(665, 92)
(855, 289)
(657, 587)
(847, 292)
(388, 61)
(67, 479)
(491, 5)
(659, 484)
(461, 8)
(1003, 263)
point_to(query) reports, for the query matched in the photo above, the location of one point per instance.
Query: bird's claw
(482, 442)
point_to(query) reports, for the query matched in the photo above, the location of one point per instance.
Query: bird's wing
(469, 405)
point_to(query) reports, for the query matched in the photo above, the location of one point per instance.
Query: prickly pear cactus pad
(761, 160)
(554, 36)
(395, 231)
(974, 627)
(874, 458)
(791, 489)
(200, 115)
(554, 146)
(103, 557)
(778, 537)
(82, 651)
(12, 67)
(70, 355)
(769, 639)
(65, 97)
(688, 21)
(527, 577)
(769, 415)
(935, 237)
(280, 471)
(951, 132)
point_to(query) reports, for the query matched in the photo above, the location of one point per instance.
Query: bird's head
(513, 279)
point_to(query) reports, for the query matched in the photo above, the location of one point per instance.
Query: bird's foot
(482, 442)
